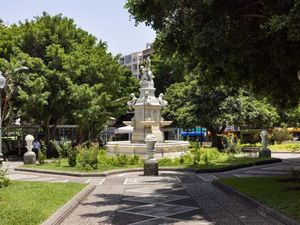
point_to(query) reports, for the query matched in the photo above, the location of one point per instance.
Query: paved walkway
(171, 198)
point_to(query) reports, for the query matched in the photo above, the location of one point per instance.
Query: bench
(251, 151)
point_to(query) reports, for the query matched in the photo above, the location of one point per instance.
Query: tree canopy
(195, 104)
(253, 42)
(71, 77)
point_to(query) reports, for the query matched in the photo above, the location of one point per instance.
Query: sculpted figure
(264, 139)
(147, 73)
(162, 102)
(150, 76)
(132, 101)
(144, 72)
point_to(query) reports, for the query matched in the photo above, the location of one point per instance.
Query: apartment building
(133, 60)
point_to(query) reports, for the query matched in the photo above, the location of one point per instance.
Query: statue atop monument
(147, 75)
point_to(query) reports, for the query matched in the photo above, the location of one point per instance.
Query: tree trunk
(80, 135)
(216, 138)
(46, 127)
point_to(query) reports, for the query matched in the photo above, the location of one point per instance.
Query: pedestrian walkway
(171, 198)
(31, 176)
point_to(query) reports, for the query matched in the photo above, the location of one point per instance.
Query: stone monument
(29, 156)
(147, 108)
(150, 164)
(264, 151)
(147, 120)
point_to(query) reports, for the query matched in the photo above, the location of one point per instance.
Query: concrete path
(171, 198)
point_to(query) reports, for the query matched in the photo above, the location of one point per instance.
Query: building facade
(132, 61)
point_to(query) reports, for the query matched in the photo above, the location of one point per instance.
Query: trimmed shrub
(87, 158)
(281, 135)
(209, 154)
(72, 154)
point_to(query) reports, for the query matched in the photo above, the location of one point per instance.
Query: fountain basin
(128, 148)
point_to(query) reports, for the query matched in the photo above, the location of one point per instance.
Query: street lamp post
(2, 85)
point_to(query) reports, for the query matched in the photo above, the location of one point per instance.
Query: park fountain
(147, 120)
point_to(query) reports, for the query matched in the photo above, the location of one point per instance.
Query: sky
(108, 20)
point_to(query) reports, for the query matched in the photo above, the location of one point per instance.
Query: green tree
(291, 117)
(12, 71)
(167, 71)
(254, 43)
(194, 104)
(71, 77)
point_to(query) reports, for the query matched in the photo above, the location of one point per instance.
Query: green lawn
(281, 195)
(222, 161)
(285, 147)
(31, 203)
(214, 164)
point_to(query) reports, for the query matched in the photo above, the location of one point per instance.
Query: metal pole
(201, 141)
(144, 117)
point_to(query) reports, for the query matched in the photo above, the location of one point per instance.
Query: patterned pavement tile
(124, 218)
(160, 210)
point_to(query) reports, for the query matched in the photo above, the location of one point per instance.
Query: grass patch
(285, 147)
(31, 203)
(280, 193)
(223, 161)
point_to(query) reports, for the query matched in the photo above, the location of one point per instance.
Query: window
(128, 59)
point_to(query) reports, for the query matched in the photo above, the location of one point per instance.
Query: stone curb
(113, 172)
(60, 215)
(261, 208)
(104, 174)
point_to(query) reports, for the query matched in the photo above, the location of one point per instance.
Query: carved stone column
(150, 164)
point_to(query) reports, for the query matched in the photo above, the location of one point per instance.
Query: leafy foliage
(252, 43)
(291, 117)
(194, 103)
(232, 145)
(167, 71)
(280, 135)
(71, 77)
(4, 181)
(42, 153)
(87, 158)
(72, 155)
(209, 154)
